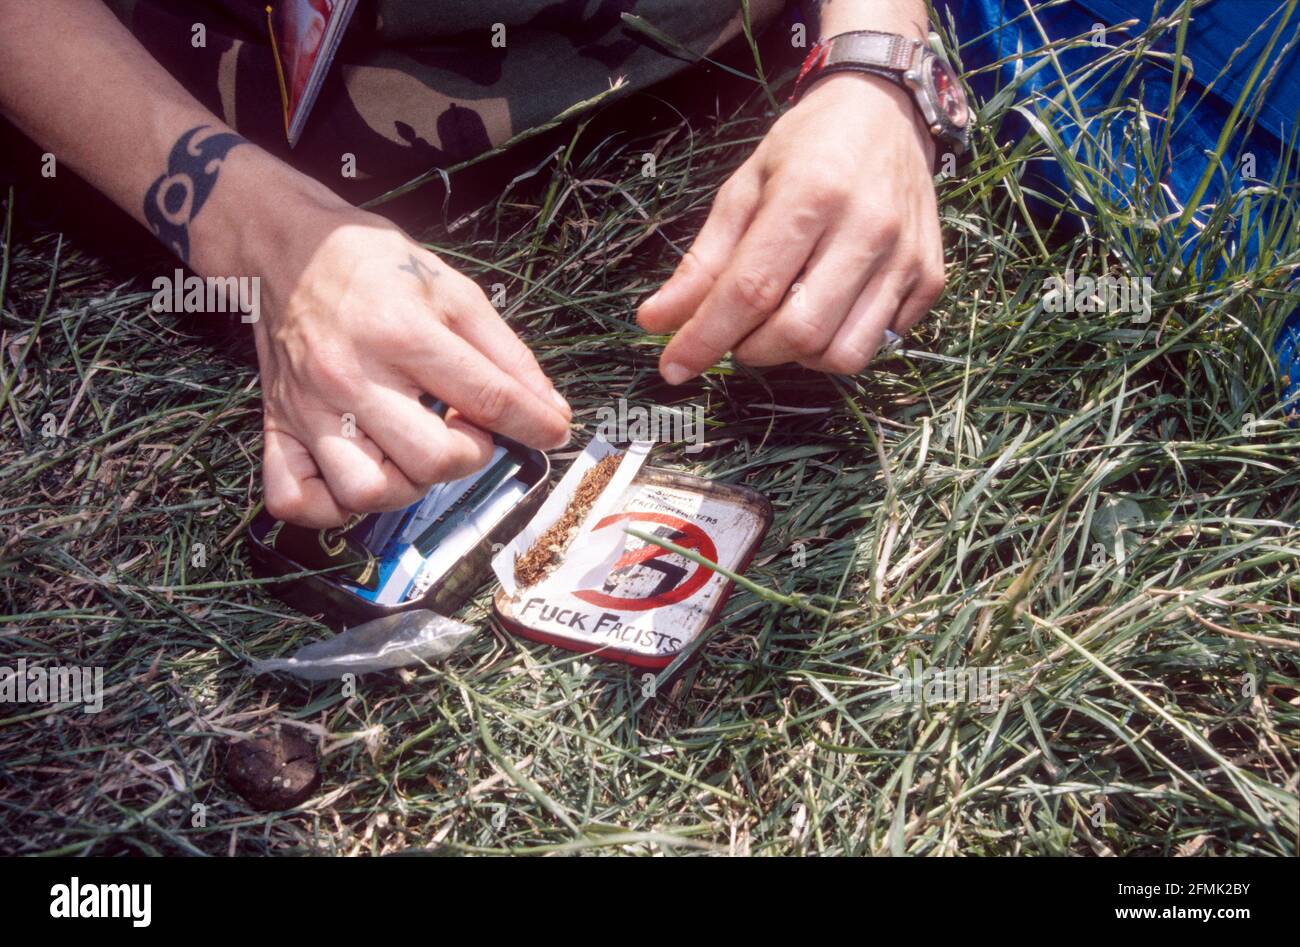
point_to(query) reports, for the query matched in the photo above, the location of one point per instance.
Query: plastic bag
(394, 641)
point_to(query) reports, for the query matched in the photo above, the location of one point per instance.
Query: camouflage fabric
(419, 84)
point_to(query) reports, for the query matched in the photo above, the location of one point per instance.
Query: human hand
(827, 236)
(358, 321)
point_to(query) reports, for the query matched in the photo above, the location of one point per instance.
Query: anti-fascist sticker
(646, 577)
(649, 603)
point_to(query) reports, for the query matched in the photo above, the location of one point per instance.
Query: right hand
(357, 322)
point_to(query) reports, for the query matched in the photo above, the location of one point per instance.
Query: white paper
(463, 539)
(415, 573)
(593, 552)
(442, 496)
(503, 563)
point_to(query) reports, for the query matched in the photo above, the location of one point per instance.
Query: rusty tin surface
(653, 603)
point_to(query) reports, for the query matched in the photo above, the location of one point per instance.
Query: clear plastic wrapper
(415, 637)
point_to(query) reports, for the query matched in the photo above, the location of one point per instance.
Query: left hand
(827, 236)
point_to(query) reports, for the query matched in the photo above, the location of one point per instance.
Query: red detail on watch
(812, 64)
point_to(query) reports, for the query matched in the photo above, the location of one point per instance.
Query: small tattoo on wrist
(176, 197)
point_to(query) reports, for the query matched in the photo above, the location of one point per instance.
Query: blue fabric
(993, 30)
(1288, 357)
(990, 31)
(1216, 31)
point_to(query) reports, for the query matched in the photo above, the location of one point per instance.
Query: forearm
(907, 17)
(80, 85)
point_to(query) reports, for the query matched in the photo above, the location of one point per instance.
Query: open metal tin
(351, 587)
(652, 603)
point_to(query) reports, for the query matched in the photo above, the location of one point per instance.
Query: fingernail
(675, 374)
(560, 402)
(649, 300)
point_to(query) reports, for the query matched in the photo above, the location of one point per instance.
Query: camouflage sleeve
(420, 84)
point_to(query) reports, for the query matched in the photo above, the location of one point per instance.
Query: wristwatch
(906, 62)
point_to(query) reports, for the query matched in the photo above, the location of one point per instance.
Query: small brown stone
(277, 770)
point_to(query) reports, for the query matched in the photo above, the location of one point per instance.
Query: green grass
(1106, 512)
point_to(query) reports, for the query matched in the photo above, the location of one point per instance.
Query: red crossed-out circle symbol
(687, 535)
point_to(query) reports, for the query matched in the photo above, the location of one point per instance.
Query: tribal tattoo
(175, 199)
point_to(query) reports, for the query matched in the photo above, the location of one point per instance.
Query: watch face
(948, 94)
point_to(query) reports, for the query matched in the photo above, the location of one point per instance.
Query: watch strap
(890, 57)
(870, 48)
(883, 54)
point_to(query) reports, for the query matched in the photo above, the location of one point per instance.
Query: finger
(929, 270)
(817, 305)
(914, 308)
(426, 449)
(750, 289)
(477, 321)
(863, 332)
(293, 486)
(360, 478)
(489, 398)
(926, 292)
(733, 210)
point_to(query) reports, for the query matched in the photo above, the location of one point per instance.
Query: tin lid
(620, 597)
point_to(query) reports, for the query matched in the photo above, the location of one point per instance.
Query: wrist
(261, 210)
(875, 99)
(904, 17)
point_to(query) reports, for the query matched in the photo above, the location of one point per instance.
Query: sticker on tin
(617, 595)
